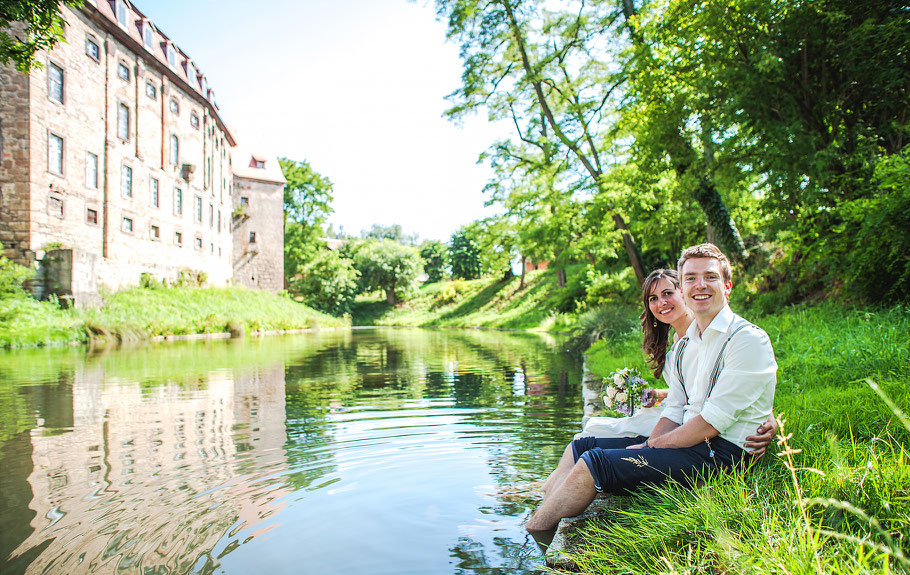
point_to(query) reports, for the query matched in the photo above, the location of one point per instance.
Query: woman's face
(666, 301)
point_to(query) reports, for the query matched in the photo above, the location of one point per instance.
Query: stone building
(116, 151)
(258, 220)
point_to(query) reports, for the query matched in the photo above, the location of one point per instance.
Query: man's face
(704, 287)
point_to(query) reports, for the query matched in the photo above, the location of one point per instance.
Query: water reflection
(377, 451)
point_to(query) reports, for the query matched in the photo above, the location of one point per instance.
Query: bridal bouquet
(626, 390)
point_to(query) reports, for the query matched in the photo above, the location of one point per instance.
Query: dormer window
(147, 35)
(122, 13)
(171, 55)
(257, 162)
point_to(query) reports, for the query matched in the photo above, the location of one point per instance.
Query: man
(721, 377)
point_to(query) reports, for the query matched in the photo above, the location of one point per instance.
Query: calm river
(357, 452)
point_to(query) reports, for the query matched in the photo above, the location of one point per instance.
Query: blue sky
(356, 88)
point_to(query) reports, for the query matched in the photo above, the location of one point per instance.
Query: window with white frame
(173, 106)
(174, 150)
(148, 35)
(126, 225)
(123, 122)
(151, 91)
(55, 153)
(92, 49)
(197, 209)
(154, 199)
(178, 202)
(126, 181)
(91, 170)
(91, 216)
(154, 233)
(123, 71)
(211, 216)
(198, 242)
(55, 82)
(194, 120)
(122, 13)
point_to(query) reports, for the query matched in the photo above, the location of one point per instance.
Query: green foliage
(389, 266)
(603, 322)
(435, 257)
(307, 204)
(328, 283)
(393, 232)
(610, 288)
(464, 254)
(12, 276)
(39, 26)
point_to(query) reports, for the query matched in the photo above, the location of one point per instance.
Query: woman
(664, 309)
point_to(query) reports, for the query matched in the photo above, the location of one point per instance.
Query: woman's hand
(654, 396)
(762, 438)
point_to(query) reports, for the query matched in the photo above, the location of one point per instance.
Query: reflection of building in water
(152, 476)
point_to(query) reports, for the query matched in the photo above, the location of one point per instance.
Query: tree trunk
(719, 220)
(390, 296)
(631, 249)
(561, 277)
(521, 284)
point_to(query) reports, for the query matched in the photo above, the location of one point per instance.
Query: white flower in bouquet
(625, 391)
(622, 397)
(618, 379)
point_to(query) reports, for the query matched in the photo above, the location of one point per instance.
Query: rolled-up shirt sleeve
(676, 396)
(746, 382)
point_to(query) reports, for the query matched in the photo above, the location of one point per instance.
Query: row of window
(55, 90)
(55, 151)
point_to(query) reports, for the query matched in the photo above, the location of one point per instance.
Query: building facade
(116, 150)
(258, 220)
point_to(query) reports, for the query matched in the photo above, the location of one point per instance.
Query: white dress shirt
(743, 397)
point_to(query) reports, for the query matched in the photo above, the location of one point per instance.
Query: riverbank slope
(488, 302)
(143, 313)
(848, 466)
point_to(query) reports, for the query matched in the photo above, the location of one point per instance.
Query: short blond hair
(706, 251)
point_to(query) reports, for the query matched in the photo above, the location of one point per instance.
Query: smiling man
(721, 376)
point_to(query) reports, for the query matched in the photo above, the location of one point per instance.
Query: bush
(604, 322)
(12, 276)
(328, 283)
(605, 288)
(435, 260)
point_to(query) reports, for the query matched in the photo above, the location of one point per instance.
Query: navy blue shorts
(618, 470)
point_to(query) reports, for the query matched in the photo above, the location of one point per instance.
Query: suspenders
(718, 363)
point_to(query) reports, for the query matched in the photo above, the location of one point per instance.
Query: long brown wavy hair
(657, 333)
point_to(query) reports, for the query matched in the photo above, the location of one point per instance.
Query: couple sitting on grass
(721, 375)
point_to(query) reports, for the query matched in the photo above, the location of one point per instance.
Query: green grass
(541, 305)
(140, 313)
(858, 510)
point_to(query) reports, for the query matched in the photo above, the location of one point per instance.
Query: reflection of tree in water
(510, 557)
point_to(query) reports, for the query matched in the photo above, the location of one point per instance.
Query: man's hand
(762, 438)
(638, 446)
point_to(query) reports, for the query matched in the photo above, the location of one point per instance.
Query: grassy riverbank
(852, 475)
(139, 313)
(487, 302)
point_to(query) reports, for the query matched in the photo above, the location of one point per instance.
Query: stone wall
(259, 234)
(14, 163)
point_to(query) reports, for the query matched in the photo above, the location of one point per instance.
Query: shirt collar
(720, 323)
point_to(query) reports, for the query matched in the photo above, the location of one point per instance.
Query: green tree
(523, 60)
(307, 204)
(464, 254)
(435, 257)
(389, 266)
(393, 232)
(27, 26)
(328, 282)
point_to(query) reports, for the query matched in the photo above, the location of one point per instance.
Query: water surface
(364, 451)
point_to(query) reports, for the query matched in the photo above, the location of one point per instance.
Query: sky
(357, 89)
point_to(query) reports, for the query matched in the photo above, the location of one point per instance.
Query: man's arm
(688, 434)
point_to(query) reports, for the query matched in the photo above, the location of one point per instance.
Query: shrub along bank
(851, 477)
